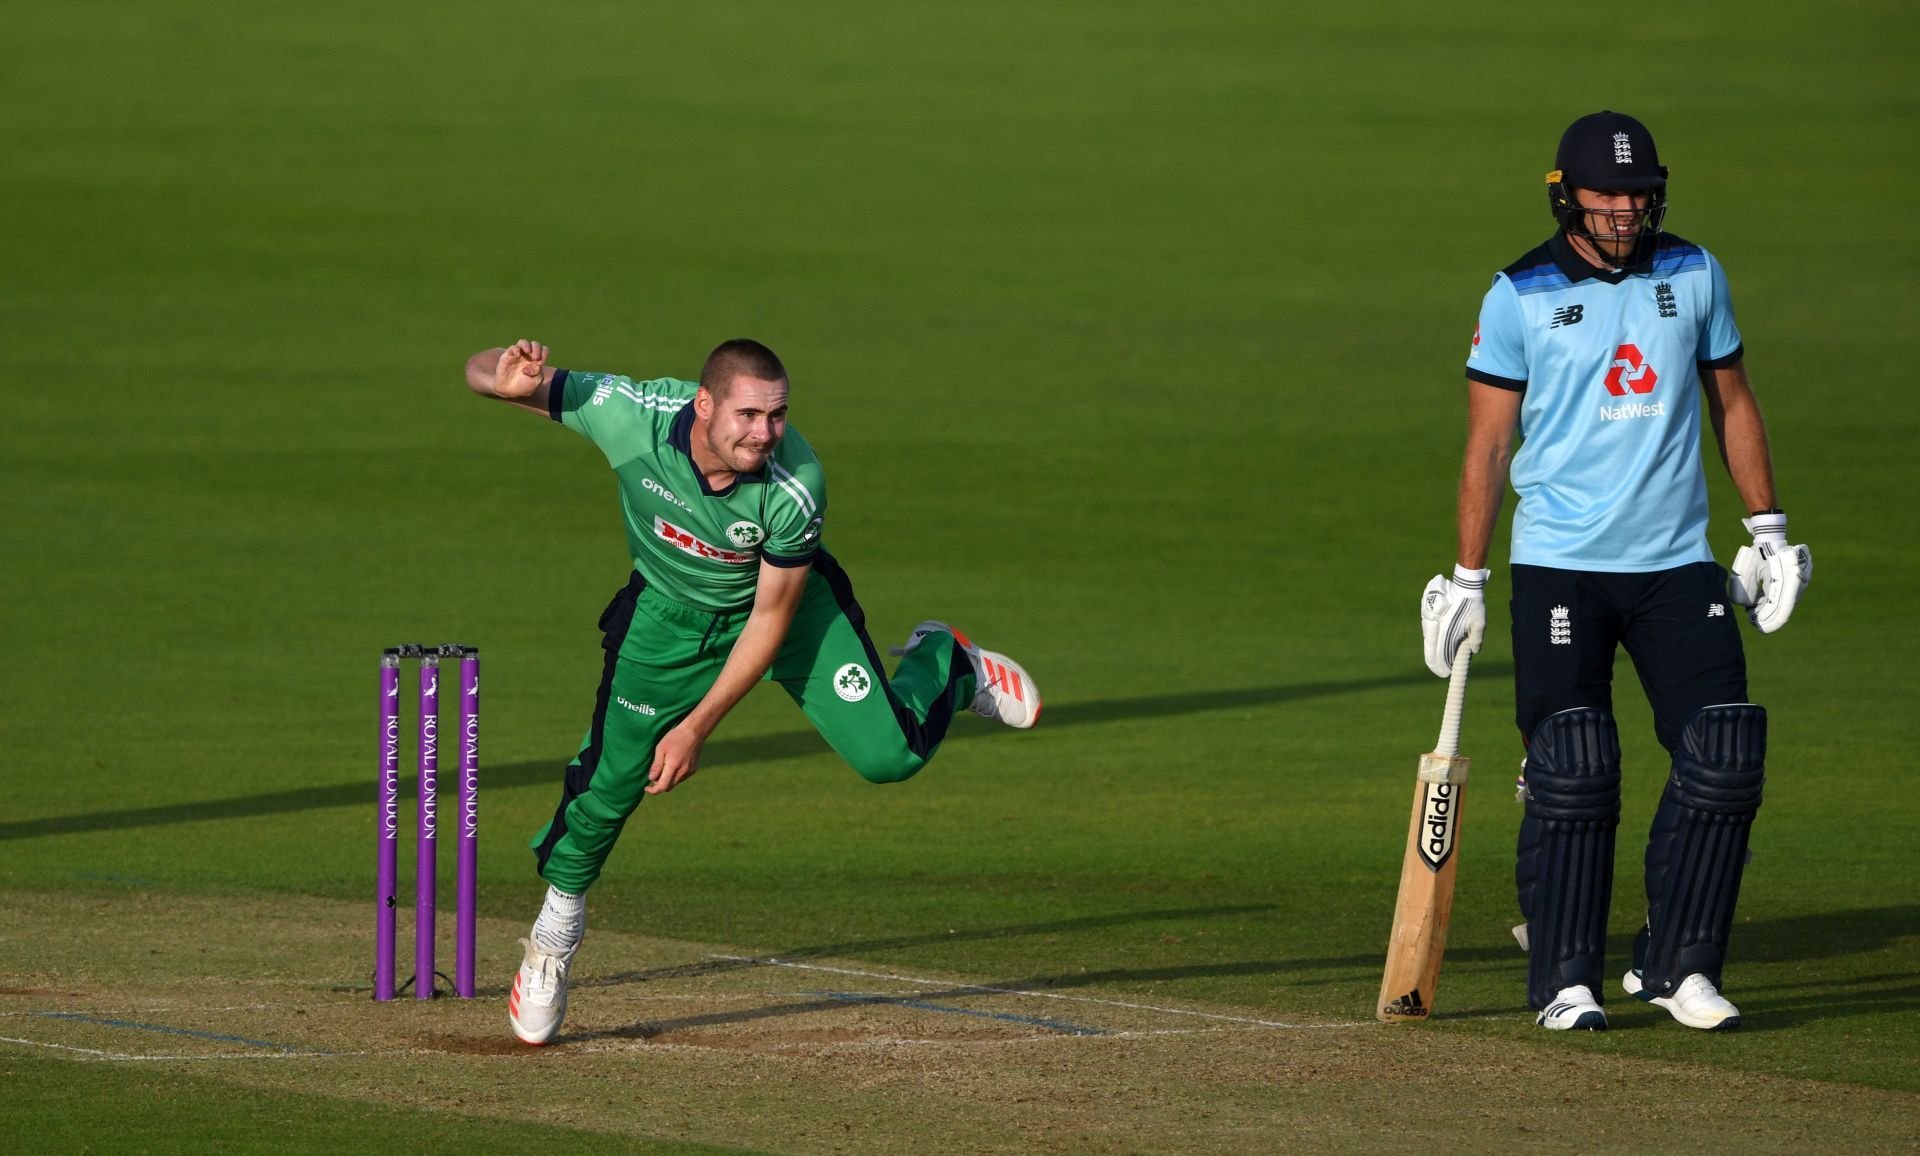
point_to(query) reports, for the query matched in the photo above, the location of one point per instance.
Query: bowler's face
(748, 423)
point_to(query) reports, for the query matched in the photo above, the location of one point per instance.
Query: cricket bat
(1427, 870)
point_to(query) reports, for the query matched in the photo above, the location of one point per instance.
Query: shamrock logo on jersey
(852, 682)
(745, 534)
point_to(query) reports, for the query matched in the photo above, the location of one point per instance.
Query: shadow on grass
(746, 749)
(1824, 934)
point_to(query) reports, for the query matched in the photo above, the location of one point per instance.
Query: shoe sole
(1631, 983)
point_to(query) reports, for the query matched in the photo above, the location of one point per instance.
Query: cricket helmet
(1606, 152)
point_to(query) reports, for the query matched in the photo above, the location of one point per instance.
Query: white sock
(562, 921)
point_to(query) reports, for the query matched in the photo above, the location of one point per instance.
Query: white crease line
(1173, 1011)
(218, 1056)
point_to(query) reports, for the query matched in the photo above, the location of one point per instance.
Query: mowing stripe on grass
(1060, 1026)
(974, 987)
(199, 1035)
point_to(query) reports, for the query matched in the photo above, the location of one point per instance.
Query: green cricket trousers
(662, 656)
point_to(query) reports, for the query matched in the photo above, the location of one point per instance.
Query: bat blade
(1427, 869)
(1420, 915)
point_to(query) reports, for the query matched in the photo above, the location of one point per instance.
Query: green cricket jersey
(699, 546)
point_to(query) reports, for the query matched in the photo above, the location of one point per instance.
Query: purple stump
(469, 845)
(386, 826)
(423, 882)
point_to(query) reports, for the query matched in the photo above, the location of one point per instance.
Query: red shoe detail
(1019, 694)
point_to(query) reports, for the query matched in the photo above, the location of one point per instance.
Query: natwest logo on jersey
(1630, 371)
(668, 532)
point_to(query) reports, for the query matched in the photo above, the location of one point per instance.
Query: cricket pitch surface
(727, 1045)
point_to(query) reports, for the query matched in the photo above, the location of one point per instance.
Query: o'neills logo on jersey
(668, 532)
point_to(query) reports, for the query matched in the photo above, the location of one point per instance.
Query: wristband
(1769, 527)
(1472, 583)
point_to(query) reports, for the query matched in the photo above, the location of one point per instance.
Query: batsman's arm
(1741, 432)
(1492, 415)
(518, 374)
(776, 598)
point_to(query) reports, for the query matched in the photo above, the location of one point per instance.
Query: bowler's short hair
(741, 357)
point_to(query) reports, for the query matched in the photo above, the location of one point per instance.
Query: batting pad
(1565, 864)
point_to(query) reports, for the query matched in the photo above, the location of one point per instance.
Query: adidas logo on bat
(1408, 1005)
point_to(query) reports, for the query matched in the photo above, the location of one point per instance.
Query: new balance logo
(1408, 1005)
(1571, 315)
(1716, 610)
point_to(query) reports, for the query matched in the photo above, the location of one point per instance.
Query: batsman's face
(747, 424)
(1614, 219)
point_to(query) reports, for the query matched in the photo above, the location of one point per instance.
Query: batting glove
(1768, 576)
(1453, 611)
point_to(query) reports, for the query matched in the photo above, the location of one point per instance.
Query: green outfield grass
(1130, 338)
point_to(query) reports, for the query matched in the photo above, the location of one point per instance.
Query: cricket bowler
(725, 509)
(1591, 346)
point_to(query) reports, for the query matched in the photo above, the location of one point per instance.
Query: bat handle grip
(1449, 743)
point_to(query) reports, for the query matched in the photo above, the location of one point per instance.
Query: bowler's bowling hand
(518, 373)
(675, 758)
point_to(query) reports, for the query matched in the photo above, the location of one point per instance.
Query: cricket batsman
(725, 508)
(1590, 346)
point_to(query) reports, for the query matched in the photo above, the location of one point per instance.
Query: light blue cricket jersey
(1608, 471)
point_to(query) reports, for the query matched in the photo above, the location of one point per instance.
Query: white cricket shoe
(1574, 1009)
(538, 1001)
(1695, 1003)
(1003, 688)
